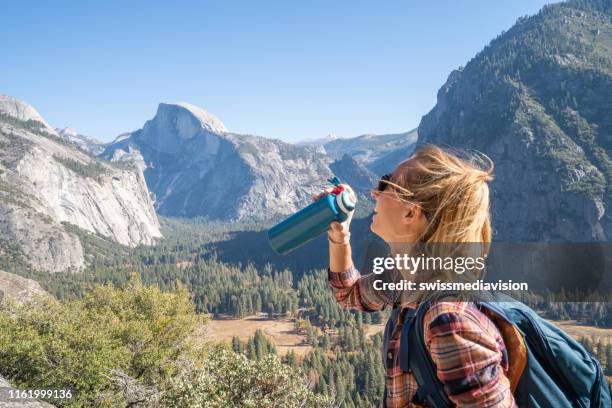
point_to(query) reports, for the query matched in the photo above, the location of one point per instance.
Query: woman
(435, 196)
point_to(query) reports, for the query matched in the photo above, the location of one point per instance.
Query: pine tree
(236, 344)
(292, 359)
(251, 350)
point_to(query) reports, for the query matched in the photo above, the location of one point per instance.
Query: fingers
(336, 226)
(315, 197)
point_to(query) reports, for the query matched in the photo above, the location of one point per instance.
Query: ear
(411, 213)
(414, 216)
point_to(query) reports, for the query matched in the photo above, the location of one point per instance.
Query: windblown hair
(451, 189)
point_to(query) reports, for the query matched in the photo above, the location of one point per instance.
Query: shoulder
(461, 320)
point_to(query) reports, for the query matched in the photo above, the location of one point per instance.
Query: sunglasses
(382, 183)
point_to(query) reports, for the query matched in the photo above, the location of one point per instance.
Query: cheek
(389, 213)
(394, 221)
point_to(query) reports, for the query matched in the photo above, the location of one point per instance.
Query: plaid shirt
(464, 344)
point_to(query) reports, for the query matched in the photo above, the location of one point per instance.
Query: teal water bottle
(314, 220)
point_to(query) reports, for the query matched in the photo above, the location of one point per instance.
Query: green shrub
(137, 332)
(227, 379)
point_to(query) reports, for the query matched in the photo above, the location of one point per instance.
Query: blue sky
(284, 69)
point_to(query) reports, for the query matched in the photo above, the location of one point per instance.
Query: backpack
(556, 371)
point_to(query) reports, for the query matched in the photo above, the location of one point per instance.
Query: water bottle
(314, 220)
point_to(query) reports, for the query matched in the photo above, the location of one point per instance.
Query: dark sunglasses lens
(381, 184)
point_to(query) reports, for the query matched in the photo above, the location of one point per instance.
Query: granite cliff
(46, 183)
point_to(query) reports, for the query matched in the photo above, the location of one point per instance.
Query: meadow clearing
(282, 333)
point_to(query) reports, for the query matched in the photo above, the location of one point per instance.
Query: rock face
(46, 182)
(538, 100)
(195, 167)
(17, 289)
(86, 143)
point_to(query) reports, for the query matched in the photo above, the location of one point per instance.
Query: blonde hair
(451, 189)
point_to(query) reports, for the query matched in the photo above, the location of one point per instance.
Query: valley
(133, 269)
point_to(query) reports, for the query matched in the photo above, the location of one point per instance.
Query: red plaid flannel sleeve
(355, 291)
(469, 354)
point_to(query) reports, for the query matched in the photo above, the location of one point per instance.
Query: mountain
(47, 185)
(375, 151)
(538, 101)
(196, 167)
(89, 144)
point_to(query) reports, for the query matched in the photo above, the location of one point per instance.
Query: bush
(227, 379)
(137, 347)
(89, 345)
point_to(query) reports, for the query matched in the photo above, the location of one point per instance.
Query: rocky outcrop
(195, 167)
(18, 290)
(537, 100)
(46, 182)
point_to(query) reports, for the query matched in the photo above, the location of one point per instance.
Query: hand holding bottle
(339, 231)
(330, 212)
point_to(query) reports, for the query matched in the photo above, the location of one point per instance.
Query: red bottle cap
(337, 190)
